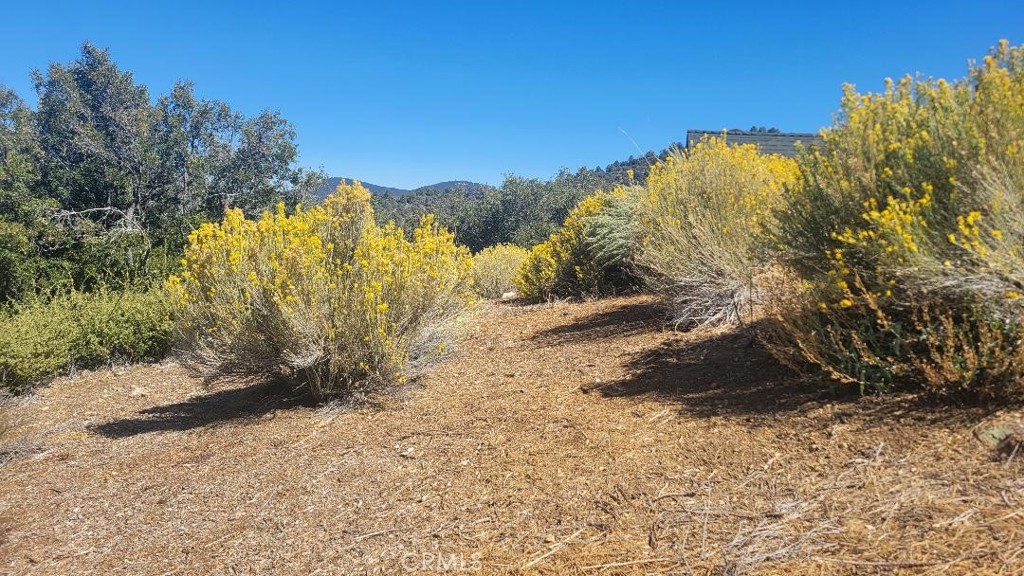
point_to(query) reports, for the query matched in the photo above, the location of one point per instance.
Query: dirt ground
(561, 439)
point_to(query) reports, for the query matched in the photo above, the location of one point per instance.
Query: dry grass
(564, 439)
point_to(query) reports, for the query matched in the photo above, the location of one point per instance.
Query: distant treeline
(523, 211)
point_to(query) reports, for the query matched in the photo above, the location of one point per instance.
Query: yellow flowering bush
(323, 295)
(536, 278)
(908, 235)
(705, 221)
(495, 269)
(566, 265)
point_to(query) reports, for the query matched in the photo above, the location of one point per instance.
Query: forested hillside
(523, 211)
(331, 183)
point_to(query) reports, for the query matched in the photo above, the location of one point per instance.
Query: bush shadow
(626, 320)
(728, 373)
(215, 408)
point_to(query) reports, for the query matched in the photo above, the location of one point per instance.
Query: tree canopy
(101, 177)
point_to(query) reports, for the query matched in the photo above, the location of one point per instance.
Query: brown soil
(562, 439)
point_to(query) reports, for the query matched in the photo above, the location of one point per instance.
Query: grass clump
(907, 237)
(584, 257)
(44, 339)
(495, 269)
(323, 296)
(704, 220)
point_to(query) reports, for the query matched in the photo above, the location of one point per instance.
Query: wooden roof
(783, 143)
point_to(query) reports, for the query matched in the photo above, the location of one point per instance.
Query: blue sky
(411, 93)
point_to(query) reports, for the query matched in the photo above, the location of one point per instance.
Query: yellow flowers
(495, 269)
(895, 229)
(322, 292)
(909, 227)
(735, 185)
(560, 266)
(970, 237)
(537, 274)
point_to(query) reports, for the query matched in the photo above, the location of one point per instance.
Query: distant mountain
(320, 193)
(472, 188)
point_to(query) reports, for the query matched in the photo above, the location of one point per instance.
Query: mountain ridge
(472, 187)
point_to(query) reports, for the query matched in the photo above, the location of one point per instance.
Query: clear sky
(411, 93)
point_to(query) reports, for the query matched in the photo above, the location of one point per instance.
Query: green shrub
(566, 265)
(48, 257)
(704, 221)
(15, 254)
(907, 236)
(113, 260)
(612, 237)
(41, 340)
(495, 269)
(323, 296)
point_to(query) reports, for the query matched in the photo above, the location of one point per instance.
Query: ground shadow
(212, 409)
(730, 373)
(626, 320)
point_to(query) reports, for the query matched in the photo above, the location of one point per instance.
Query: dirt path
(563, 439)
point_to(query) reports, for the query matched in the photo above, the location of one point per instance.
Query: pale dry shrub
(703, 226)
(612, 236)
(495, 269)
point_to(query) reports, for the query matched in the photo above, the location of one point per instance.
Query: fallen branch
(554, 548)
(630, 563)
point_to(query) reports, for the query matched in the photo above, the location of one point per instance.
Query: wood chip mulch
(561, 439)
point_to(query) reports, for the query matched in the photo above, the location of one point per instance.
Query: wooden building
(768, 141)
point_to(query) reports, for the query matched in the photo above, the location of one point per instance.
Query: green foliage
(566, 265)
(522, 211)
(15, 251)
(19, 157)
(109, 155)
(459, 209)
(907, 237)
(98, 179)
(612, 237)
(323, 296)
(19, 197)
(40, 340)
(528, 210)
(495, 269)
